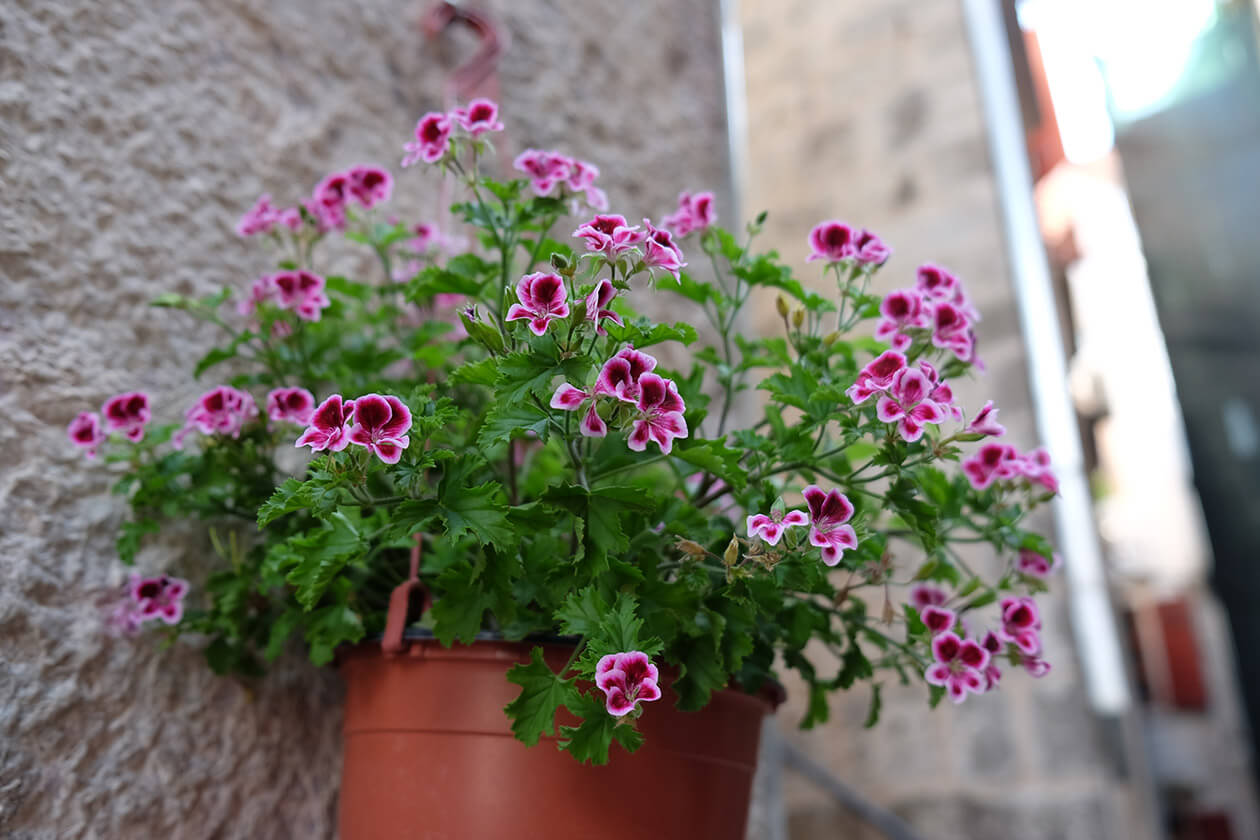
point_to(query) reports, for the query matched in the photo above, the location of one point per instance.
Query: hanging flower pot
(429, 752)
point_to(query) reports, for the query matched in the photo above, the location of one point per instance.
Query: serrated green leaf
(128, 543)
(321, 555)
(533, 712)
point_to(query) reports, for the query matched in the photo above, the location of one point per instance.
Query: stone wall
(869, 112)
(132, 135)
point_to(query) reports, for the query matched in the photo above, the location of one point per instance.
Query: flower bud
(731, 556)
(831, 338)
(559, 261)
(691, 549)
(798, 318)
(781, 304)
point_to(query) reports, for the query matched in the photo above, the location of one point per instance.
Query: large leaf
(533, 712)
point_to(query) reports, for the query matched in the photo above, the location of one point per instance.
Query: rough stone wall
(132, 135)
(869, 112)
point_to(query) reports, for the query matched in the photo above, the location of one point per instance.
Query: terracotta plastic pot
(429, 754)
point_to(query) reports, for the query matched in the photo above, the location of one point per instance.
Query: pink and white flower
(220, 411)
(832, 241)
(327, 429)
(290, 405)
(610, 235)
(381, 424)
(660, 414)
(86, 433)
(597, 303)
(900, 311)
(877, 377)
(694, 213)
(938, 619)
(992, 674)
(260, 218)
(925, 595)
(619, 377)
(627, 679)
(542, 300)
(569, 398)
(993, 461)
(159, 598)
(870, 249)
(985, 422)
(369, 185)
(1021, 625)
(1034, 665)
(480, 116)
(959, 666)
(1036, 467)
(545, 169)
(772, 527)
(908, 403)
(127, 413)
(828, 514)
(433, 134)
(660, 250)
(1036, 565)
(938, 284)
(941, 393)
(951, 330)
(301, 292)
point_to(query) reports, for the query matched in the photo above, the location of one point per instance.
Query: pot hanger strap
(399, 603)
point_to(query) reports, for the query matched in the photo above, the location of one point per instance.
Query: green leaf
(543, 692)
(330, 626)
(281, 629)
(321, 556)
(295, 495)
(483, 372)
(128, 543)
(590, 741)
(477, 511)
(877, 705)
(507, 420)
(458, 611)
(214, 357)
(714, 457)
(582, 612)
(644, 334)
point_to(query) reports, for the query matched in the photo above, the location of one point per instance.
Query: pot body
(429, 754)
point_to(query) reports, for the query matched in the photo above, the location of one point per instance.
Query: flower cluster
(614, 239)
(937, 308)
(1000, 461)
(695, 214)
(836, 242)
(220, 411)
(626, 680)
(364, 184)
(648, 402)
(290, 405)
(127, 413)
(963, 665)
(377, 423)
(301, 292)
(435, 129)
(829, 513)
(549, 170)
(150, 599)
(911, 397)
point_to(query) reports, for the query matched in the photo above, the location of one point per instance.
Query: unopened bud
(731, 556)
(781, 304)
(691, 549)
(798, 318)
(831, 338)
(559, 261)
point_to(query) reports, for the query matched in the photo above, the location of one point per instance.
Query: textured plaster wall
(869, 111)
(132, 135)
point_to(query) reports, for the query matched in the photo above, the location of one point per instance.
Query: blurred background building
(1090, 169)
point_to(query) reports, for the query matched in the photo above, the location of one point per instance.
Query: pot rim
(771, 690)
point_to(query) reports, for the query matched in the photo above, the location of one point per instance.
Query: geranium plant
(508, 408)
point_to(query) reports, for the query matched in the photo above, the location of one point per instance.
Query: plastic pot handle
(399, 601)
